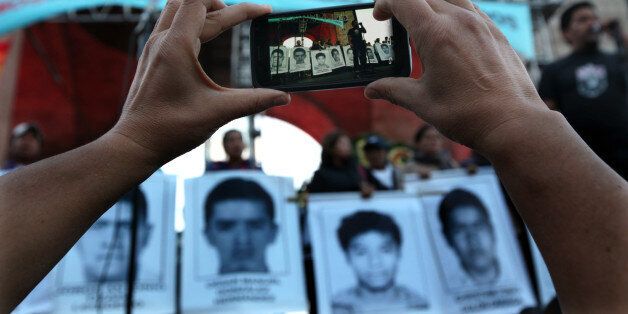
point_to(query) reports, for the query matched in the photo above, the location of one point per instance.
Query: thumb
(403, 91)
(244, 102)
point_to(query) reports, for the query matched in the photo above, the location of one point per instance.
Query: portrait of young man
(320, 63)
(371, 243)
(370, 55)
(348, 55)
(104, 249)
(468, 230)
(300, 60)
(278, 62)
(240, 224)
(336, 58)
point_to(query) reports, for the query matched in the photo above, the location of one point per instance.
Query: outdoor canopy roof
(15, 14)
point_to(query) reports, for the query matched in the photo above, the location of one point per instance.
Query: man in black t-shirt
(589, 87)
(358, 44)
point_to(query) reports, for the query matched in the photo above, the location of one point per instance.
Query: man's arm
(172, 107)
(476, 91)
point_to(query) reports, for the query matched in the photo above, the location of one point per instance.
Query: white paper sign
(278, 59)
(372, 256)
(242, 245)
(348, 50)
(337, 61)
(321, 61)
(92, 276)
(370, 55)
(300, 59)
(384, 50)
(479, 258)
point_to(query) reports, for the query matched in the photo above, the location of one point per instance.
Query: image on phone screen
(345, 46)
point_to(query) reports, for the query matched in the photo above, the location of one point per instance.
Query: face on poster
(94, 272)
(300, 59)
(278, 59)
(348, 55)
(244, 254)
(337, 59)
(370, 55)
(321, 62)
(384, 50)
(478, 256)
(371, 256)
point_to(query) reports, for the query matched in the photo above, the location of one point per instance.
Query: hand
(172, 105)
(473, 84)
(366, 189)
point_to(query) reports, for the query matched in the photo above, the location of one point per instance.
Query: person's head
(385, 49)
(298, 43)
(335, 54)
(233, 143)
(467, 228)
(428, 140)
(26, 143)
(276, 57)
(580, 25)
(369, 53)
(110, 237)
(376, 152)
(371, 242)
(350, 52)
(377, 41)
(239, 224)
(336, 146)
(320, 58)
(354, 23)
(299, 55)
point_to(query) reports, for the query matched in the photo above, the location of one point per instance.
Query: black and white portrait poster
(92, 277)
(384, 50)
(372, 256)
(278, 59)
(544, 281)
(348, 50)
(300, 59)
(242, 249)
(337, 60)
(370, 55)
(479, 259)
(321, 61)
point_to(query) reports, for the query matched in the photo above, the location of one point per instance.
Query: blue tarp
(512, 18)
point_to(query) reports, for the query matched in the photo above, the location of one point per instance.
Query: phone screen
(327, 48)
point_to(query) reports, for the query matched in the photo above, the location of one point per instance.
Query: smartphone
(327, 48)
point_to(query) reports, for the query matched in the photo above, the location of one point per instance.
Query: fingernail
(371, 93)
(281, 100)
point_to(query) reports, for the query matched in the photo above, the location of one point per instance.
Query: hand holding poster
(372, 256)
(93, 275)
(478, 256)
(242, 245)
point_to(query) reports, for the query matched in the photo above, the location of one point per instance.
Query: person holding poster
(239, 223)
(468, 230)
(371, 242)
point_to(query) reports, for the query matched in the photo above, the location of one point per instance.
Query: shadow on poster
(92, 276)
(242, 246)
(479, 259)
(372, 256)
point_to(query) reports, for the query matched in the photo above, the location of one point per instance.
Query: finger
(465, 4)
(167, 15)
(244, 102)
(401, 91)
(189, 20)
(408, 12)
(218, 21)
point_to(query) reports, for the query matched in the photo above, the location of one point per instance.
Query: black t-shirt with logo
(589, 89)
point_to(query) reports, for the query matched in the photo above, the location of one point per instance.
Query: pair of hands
(473, 87)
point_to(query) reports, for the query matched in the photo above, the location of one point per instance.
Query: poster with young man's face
(93, 276)
(384, 50)
(348, 50)
(321, 61)
(337, 59)
(370, 55)
(478, 255)
(372, 256)
(300, 59)
(278, 59)
(243, 247)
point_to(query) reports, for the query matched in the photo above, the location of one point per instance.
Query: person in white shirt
(380, 173)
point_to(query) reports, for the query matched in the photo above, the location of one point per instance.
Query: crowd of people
(573, 203)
